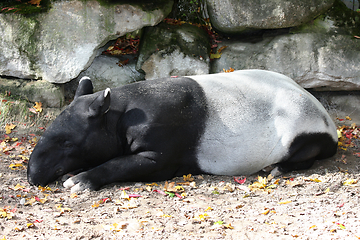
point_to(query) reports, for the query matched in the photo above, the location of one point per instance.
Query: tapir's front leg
(125, 168)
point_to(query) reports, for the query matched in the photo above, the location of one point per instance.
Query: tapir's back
(253, 118)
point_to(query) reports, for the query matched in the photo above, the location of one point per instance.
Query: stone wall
(314, 42)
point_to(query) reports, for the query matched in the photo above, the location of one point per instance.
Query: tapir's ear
(101, 104)
(85, 87)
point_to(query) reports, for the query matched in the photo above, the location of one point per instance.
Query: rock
(341, 104)
(314, 60)
(236, 16)
(57, 45)
(169, 50)
(105, 72)
(50, 95)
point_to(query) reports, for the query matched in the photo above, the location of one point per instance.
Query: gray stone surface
(235, 16)
(169, 50)
(105, 72)
(314, 60)
(50, 95)
(57, 45)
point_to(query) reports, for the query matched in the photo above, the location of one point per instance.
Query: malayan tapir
(226, 124)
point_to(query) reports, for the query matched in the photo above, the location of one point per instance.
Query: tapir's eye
(67, 144)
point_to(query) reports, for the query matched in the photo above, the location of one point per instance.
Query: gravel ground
(319, 203)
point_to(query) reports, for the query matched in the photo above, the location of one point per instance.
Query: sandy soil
(320, 203)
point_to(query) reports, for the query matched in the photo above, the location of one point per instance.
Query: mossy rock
(51, 95)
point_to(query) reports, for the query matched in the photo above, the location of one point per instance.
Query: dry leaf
(188, 178)
(170, 187)
(35, 2)
(350, 182)
(38, 107)
(9, 127)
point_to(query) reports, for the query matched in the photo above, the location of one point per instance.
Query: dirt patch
(320, 203)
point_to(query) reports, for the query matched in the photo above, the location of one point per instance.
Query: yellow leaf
(17, 166)
(188, 178)
(312, 179)
(266, 212)
(73, 195)
(313, 226)
(152, 184)
(9, 127)
(350, 182)
(124, 195)
(62, 210)
(339, 134)
(348, 118)
(215, 55)
(38, 106)
(228, 226)
(208, 209)
(179, 188)
(18, 187)
(285, 202)
(95, 205)
(30, 201)
(30, 225)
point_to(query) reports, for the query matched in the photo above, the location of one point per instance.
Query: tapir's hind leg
(307, 148)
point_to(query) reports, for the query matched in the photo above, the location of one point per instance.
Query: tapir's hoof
(78, 183)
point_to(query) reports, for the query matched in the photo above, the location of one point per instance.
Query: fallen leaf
(350, 182)
(342, 226)
(215, 55)
(228, 226)
(170, 187)
(221, 49)
(240, 181)
(312, 179)
(5, 213)
(63, 209)
(35, 2)
(18, 187)
(16, 166)
(229, 70)
(285, 202)
(38, 107)
(9, 128)
(188, 178)
(30, 225)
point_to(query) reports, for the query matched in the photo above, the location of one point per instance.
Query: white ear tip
(84, 78)
(106, 92)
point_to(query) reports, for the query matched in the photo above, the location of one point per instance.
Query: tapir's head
(72, 141)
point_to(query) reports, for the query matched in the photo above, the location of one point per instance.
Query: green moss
(188, 11)
(345, 17)
(24, 7)
(338, 18)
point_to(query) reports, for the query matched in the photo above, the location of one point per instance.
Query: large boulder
(108, 71)
(49, 94)
(173, 50)
(322, 54)
(57, 45)
(313, 60)
(235, 16)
